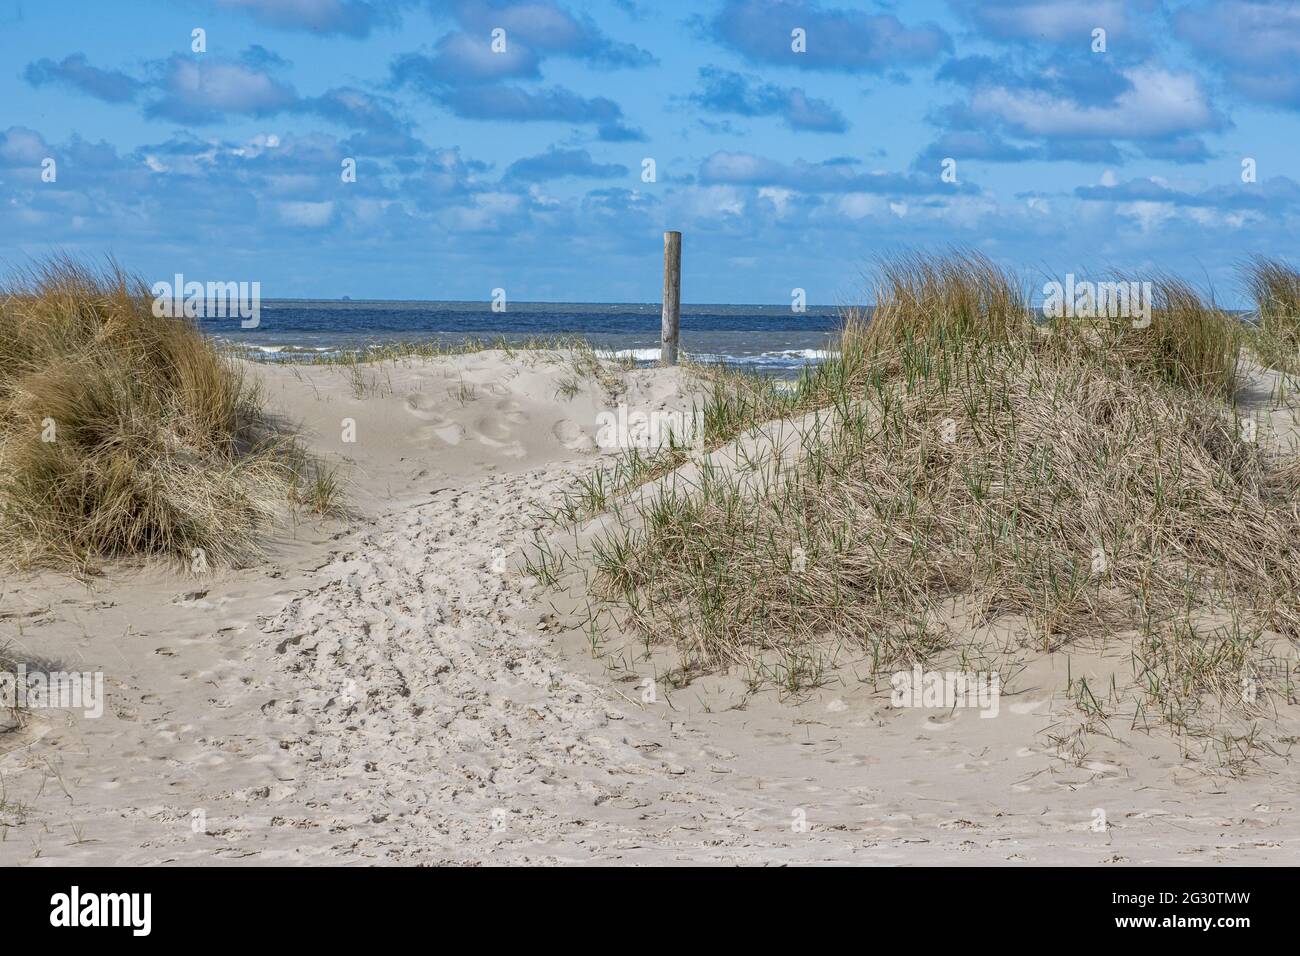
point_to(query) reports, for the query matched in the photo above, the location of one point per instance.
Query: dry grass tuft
(126, 434)
(1190, 342)
(958, 296)
(1275, 287)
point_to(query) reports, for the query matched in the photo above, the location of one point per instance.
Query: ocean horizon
(773, 339)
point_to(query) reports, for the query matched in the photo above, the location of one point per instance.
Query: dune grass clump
(1180, 338)
(961, 295)
(974, 473)
(1275, 288)
(1185, 341)
(1020, 486)
(125, 434)
(1193, 344)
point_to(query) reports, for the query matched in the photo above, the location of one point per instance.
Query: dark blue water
(768, 337)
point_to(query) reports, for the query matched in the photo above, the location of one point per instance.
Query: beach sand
(394, 689)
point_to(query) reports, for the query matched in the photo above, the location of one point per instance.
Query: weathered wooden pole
(672, 314)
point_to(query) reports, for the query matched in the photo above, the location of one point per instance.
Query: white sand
(378, 691)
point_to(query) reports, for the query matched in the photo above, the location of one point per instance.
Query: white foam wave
(780, 357)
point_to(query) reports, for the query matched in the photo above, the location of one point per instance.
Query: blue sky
(522, 168)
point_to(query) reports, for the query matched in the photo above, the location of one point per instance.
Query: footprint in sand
(439, 425)
(423, 406)
(512, 411)
(444, 430)
(570, 435)
(451, 433)
(495, 433)
(490, 426)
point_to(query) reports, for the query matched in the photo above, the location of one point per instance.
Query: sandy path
(432, 707)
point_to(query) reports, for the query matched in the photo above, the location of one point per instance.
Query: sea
(772, 339)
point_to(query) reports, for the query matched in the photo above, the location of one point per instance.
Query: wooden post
(672, 313)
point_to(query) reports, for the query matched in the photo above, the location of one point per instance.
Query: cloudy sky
(525, 166)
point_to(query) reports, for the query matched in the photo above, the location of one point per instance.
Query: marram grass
(124, 434)
(1275, 288)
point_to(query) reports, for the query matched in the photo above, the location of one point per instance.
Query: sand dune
(394, 689)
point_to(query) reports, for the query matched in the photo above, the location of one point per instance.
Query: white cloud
(1159, 103)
